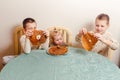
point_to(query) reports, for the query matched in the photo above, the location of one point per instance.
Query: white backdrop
(73, 14)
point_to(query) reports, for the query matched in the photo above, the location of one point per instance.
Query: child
(57, 39)
(105, 40)
(29, 26)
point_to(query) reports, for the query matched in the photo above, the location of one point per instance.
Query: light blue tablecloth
(78, 64)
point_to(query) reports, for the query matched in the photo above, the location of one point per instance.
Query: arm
(78, 38)
(25, 44)
(108, 40)
(46, 44)
(111, 43)
(83, 31)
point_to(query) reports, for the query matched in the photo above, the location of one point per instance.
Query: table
(77, 64)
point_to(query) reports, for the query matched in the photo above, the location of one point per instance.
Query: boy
(105, 40)
(29, 26)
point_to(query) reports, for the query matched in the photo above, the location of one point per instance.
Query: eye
(102, 26)
(97, 25)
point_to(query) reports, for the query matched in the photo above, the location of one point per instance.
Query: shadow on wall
(89, 26)
(119, 59)
(119, 54)
(9, 50)
(116, 55)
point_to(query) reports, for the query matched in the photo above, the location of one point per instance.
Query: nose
(99, 28)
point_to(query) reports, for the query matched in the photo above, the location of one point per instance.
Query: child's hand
(28, 33)
(99, 36)
(83, 31)
(46, 33)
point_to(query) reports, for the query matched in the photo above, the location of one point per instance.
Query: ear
(24, 31)
(34, 27)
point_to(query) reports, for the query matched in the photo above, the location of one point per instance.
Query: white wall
(73, 14)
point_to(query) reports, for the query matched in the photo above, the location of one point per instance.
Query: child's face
(58, 39)
(101, 26)
(30, 26)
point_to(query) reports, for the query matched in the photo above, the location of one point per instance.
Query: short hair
(27, 20)
(103, 17)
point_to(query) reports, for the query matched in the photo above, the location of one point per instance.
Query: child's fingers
(84, 31)
(29, 33)
(97, 35)
(45, 33)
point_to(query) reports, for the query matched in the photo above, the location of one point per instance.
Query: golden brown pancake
(38, 37)
(57, 50)
(88, 41)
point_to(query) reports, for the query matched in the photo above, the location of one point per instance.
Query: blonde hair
(53, 34)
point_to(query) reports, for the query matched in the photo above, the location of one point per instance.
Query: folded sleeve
(114, 45)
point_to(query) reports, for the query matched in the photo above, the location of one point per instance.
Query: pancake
(58, 50)
(88, 41)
